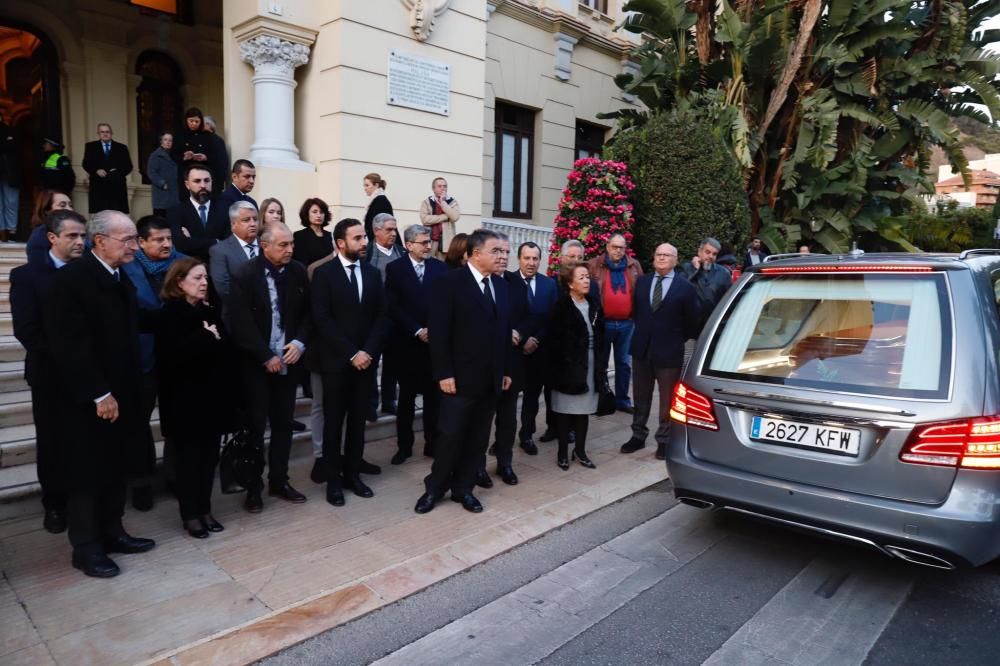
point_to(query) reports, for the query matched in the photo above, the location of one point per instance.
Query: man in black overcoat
(409, 284)
(349, 311)
(91, 323)
(29, 284)
(273, 342)
(198, 222)
(108, 164)
(470, 336)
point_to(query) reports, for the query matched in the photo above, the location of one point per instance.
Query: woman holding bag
(193, 362)
(575, 374)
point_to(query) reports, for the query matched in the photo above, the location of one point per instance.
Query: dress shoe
(562, 462)
(632, 445)
(368, 468)
(334, 494)
(287, 493)
(96, 566)
(469, 503)
(298, 426)
(529, 447)
(318, 473)
(548, 436)
(253, 503)
(211, 524)
(128, 544)
(628, 409)
(142, 498)
(358, 487)
(584, 460)
(54, 521)
(371, 415)
(507, 475)
(661, 452)
(400, 456)
(425, 503)
(196, 529)
(389, 408)
(483, 479)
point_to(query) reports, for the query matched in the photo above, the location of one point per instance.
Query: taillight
(849, 268)
(972, 443)
(690, 407)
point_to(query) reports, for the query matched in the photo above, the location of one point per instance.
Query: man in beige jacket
(440, 212)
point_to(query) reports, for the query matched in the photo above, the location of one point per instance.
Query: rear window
(883, 334)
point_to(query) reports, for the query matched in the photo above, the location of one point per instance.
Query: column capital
(282, 54)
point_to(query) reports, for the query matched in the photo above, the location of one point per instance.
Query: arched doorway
(158, 101)
(29, 101)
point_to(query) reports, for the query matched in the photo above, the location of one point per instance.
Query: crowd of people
(215, 311)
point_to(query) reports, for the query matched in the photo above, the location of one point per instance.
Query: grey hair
(710, 241)
(504, 237)
(209, 120)
(267, 235)
(234, 210)
(379, 220)
(411, 232)
(101, 223)
(571, 243)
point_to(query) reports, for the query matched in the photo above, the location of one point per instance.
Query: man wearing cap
(56, 172)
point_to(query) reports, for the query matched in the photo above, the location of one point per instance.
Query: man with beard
(91, 325)
(349, 310)
(197, 223)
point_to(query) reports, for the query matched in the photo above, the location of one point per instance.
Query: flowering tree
(594, 205)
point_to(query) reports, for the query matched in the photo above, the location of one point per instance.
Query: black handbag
(606, 404)
(240, 463)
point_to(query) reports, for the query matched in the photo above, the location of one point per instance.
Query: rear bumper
(963, 530)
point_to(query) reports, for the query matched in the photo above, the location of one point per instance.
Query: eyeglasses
(127, 240)
(423, 242)
(663, 256)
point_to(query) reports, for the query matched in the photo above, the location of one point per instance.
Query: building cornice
(554, 21)
(266, 26)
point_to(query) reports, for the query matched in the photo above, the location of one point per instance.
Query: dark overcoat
(567, 344)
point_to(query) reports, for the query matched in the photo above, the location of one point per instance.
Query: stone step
(6, 324)
(12, 376)
(10, 349)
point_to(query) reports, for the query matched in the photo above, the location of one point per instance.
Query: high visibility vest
(52, 162)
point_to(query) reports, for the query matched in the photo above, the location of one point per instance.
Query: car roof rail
(784, 255)
(979, 250)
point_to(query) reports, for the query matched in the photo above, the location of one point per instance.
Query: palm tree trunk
(810, 14)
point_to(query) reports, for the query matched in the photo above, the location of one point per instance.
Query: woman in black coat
(193, 365)
(575, 371)
(193, 145)
(313, 242)
(377, 202)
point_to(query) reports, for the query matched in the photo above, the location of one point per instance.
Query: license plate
(842, 441)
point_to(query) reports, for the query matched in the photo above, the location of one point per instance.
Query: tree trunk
(705, 9)
(810, 14)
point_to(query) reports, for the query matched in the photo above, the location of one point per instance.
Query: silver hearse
(856, 396)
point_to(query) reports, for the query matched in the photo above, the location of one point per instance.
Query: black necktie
(354, 281)
(488, 293)
(531, 295)
(657, 293)
(115, 275)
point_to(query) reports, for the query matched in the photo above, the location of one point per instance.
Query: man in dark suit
(666, 315)
(242, 180)
(91, 326)
(385, 249)
(107, 163)
(197, 223)
(541, 293)
(268, 310)
(409, 288)
(470, 335)
(66, 231)
(349, 309)
(241, 246)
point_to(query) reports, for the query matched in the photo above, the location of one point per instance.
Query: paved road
(646, 581)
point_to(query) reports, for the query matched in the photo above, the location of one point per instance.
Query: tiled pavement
(276, 578)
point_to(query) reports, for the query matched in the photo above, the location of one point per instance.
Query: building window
(158, 102)
(596, 5)
(589, 139)
(515, 130)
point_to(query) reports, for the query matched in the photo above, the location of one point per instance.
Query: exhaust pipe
(919, 557)
(695, 502)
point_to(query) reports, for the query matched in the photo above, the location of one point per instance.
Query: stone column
(274, 61)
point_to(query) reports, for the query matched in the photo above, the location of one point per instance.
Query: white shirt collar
(56, 261)
(107, 267)
(207, 204)
(346, 263)
(476, 274)
(386, 252)
(525, 277)
(414, 261)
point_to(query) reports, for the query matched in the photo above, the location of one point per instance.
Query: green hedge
(688, 186)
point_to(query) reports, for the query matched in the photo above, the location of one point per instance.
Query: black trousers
(345, 399)
(388, 389)
(506, 428)
(196, 458)
(270, 398)
(143, 464)
(576, 423)
(409, 388)
(534, 383)
(461, 441)
(93, 518)
(44, 409)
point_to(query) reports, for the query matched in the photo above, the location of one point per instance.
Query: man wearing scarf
(616, 273)
(156, 254)
(439, 212)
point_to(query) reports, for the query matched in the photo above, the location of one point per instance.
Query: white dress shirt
(479, 281)
(357, 272)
